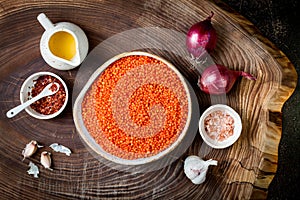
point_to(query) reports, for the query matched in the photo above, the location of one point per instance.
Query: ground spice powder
(136, 108)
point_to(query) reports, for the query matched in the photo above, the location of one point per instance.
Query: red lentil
(50, 104)
(136, 108)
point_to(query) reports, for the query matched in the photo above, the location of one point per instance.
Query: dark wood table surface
(276, 21)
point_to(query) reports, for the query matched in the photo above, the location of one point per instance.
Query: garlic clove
(195, 168)
(30, 149)
(46, 160)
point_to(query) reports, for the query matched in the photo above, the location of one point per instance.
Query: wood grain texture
(244, 171)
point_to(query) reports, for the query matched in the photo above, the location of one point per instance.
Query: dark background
(279, 21)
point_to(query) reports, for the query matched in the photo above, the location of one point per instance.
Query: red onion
(201, 37)
(218, 79)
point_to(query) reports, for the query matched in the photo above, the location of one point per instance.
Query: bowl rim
(237, 129)
(89, 140)
(32, 112)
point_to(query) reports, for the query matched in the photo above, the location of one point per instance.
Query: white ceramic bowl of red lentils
(47, 107)
(220, 126)
(119, 111)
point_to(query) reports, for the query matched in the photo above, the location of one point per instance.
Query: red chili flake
(50, 104)
(153, 102)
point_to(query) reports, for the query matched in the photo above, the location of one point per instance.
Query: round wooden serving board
(244, 170)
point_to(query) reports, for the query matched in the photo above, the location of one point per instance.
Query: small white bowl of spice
(220, 126)
(47, 107)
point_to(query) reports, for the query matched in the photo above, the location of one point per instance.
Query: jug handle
(45, 22)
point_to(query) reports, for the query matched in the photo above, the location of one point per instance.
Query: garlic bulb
(46, 160)
(30, 149)
(195, 168)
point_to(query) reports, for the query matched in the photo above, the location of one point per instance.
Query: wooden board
(245, 170)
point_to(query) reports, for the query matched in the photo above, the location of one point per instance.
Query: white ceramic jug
(63, 45)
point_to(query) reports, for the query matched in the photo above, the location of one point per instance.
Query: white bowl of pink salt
(220, 126)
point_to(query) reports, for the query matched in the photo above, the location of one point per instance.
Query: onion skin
(218, 79)
(201, 37)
